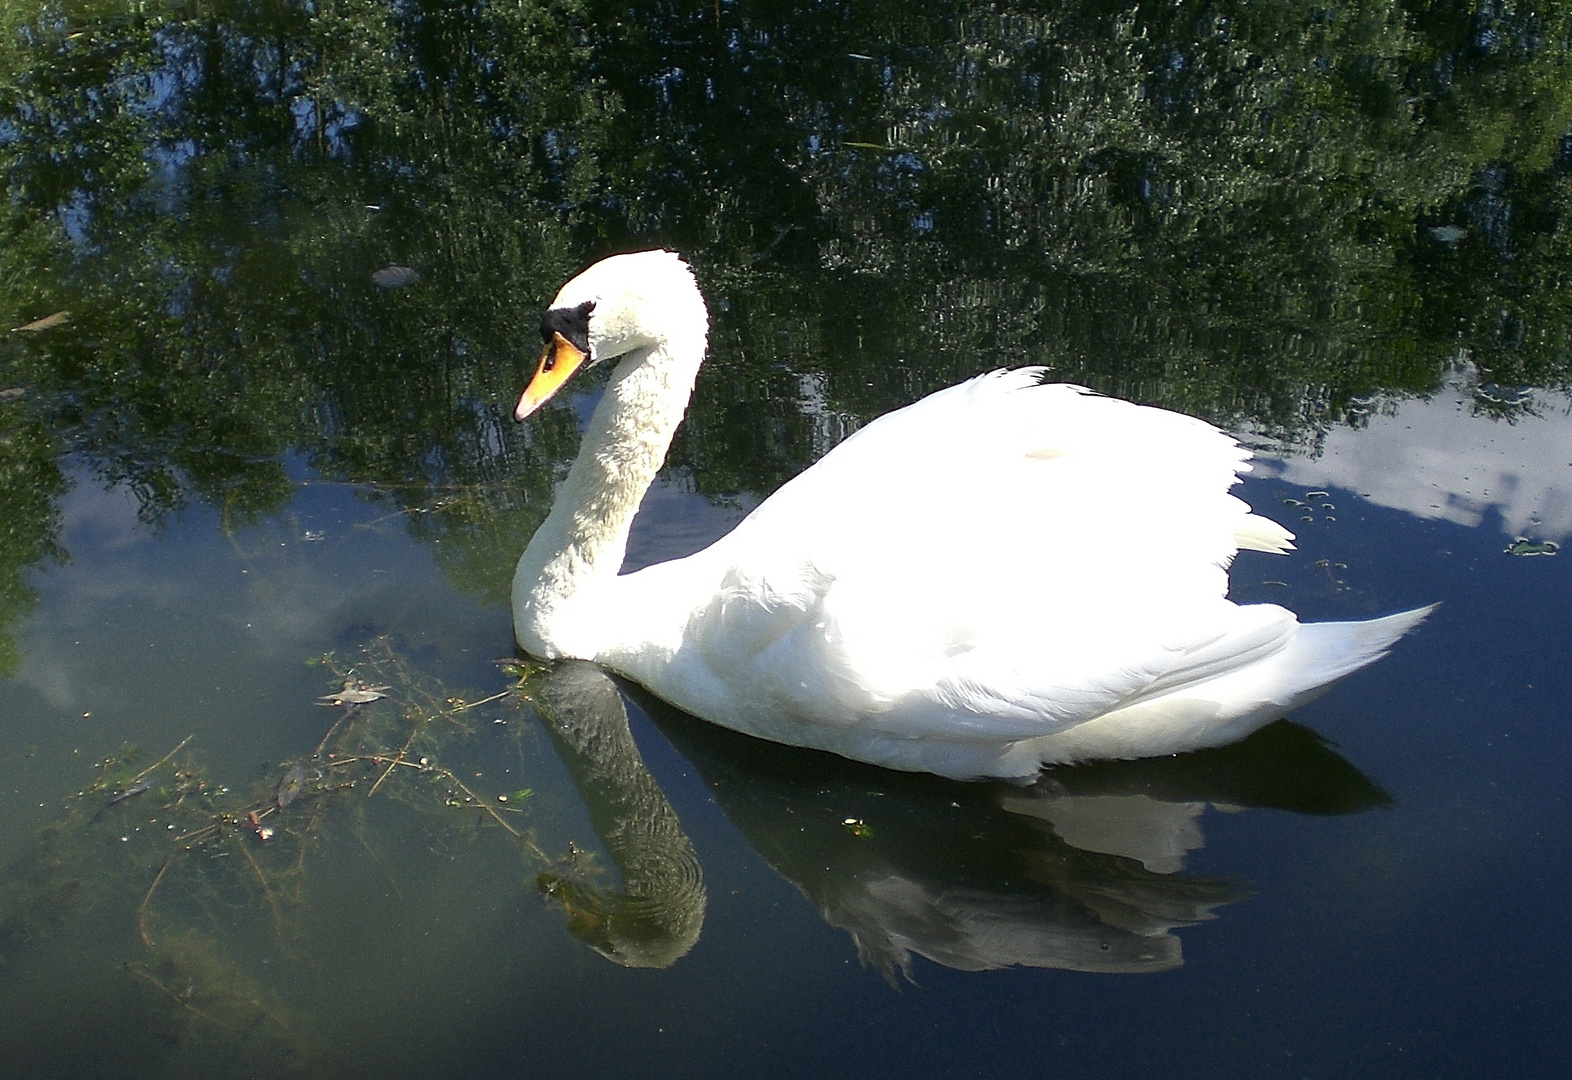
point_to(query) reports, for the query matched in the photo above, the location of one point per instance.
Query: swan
(1006, 574)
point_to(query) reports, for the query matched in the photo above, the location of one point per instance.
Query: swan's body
(1005, 574)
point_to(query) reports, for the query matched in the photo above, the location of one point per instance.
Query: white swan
(1005, 574)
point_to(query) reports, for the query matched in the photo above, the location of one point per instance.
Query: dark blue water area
(1425, 936)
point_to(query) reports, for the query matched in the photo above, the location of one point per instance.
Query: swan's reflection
(655, 919)
(1079, 871)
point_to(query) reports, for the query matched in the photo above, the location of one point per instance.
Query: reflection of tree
(209, 196)
(1210, 206)
(1254, 212)
(29, 484)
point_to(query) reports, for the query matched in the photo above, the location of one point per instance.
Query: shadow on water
(1079, 871)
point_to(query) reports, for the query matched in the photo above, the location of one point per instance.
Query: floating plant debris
(295, 782)
(191, 855)
(134, 789)
(354, 692)
(48, 322)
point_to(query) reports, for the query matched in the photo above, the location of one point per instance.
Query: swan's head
(620, 304)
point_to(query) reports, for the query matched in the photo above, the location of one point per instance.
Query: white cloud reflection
(1440, 458)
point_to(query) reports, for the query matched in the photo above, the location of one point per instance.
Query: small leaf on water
(521, 794)
(48, 322)
(353, 692)
(360, 697)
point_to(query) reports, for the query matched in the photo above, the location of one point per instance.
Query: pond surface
(276, 277)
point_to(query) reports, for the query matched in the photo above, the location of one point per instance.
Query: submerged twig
(466, 706)
(398, 758)
(176, 998)
(135, 779)
(203, 831)
(330, 733)
(267, 892)
(450, 777)
(141, 911)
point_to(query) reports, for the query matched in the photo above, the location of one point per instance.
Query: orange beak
(558, 361)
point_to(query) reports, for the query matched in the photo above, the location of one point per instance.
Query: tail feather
(1324, 652)
(1257, 533)
(1218, 711)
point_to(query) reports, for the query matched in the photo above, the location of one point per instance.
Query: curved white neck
(577, 552)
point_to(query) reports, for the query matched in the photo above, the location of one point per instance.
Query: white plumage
(1005, 574)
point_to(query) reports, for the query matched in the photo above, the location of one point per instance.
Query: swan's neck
(562, 586)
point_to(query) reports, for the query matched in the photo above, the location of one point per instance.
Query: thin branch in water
(331, 731)
(160, 761)
(483, 701)
(141, 911)
(398, 760)
(176, 998)
(193, 834)
(267, 891)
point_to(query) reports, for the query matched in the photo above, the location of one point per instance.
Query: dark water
(275, 271)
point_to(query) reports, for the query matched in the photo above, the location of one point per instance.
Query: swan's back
(984, 581)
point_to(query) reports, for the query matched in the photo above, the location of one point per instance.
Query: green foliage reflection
(1259, 213)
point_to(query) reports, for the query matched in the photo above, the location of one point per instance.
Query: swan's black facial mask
(572, 323)
(565, 332)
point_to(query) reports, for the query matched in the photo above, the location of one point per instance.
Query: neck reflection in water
(1080, 870)
(656, 917)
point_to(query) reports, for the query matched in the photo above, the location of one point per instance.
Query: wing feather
(974, 576)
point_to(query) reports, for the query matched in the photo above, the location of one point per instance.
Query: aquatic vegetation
(1524, 546)
(186, 857)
